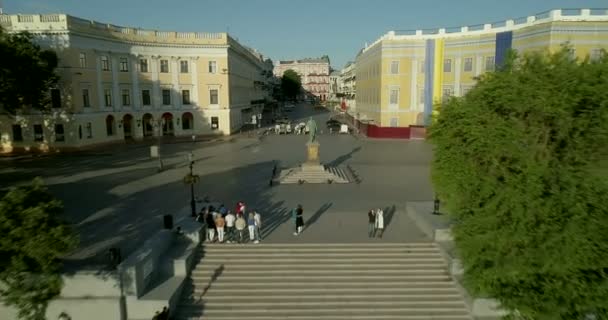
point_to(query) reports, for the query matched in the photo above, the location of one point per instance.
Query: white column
(135, 94)
(176, 99)
(194, 92)
(458, 67)
(154, 61)
(414, 85)
(98, 84)
(115, 88)
(478, 65)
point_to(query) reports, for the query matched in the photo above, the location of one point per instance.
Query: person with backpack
(210, 227)
(240, 225)
(230, 219)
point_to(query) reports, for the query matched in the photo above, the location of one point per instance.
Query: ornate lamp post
(436, 205)
(192, 179)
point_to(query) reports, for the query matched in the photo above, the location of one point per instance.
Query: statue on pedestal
(312, 130)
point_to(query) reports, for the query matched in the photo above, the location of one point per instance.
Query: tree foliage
(28, 72)
(34, 238)
(291, 84)
(512, 160)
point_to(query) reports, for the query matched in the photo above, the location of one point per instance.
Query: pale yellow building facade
(119, 83)
(402, 75)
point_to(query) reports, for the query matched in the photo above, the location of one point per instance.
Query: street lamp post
(191, 179)
(160, 161)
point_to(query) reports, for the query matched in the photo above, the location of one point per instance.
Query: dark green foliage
(291, 84)
(513, 164)
(27, 73)
(34, 238)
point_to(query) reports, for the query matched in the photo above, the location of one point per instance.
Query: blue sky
(290, 29)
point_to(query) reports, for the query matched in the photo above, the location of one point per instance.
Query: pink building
(314, 73)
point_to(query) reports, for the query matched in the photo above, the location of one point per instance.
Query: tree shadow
(318, 214)
(338, 161)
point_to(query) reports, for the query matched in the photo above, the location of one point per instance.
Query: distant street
(118, 198)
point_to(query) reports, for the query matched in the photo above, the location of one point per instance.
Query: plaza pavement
(118, 199)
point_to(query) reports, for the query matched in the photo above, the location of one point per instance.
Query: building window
(422, 66)
(110, 125)
(145, 97)
(447, 65)
(394, 67)
(596, 54)
(183, 66)
(164, 66)
(38, 136)
(82, 58)
(394, 96)
(213, 96)
(59, 133)
(124, 65)
(490, 63)
(464, 89)
(215, 123)
(468, 64)
(17, 133)
(185, 96)
(143, 65)
(55, 98)
(107, 97)
(166, 97)
(86, 101)
(89, 130)
(394, 122)
(212, 66)
(448, 91)
(187, 121)
(126, 97)
(105, 63)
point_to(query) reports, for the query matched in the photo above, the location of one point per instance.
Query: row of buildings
(118, 83)
(314, 73)
(403, 74)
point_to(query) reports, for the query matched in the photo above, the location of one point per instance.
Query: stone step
(296, 246)
(204, 278)
(318, 260)
(330, 267)
(383, 285)
(305, 255)
(197, 273)
(362, 297)
(232, 248)
(248, 304)
(376, 316)
(322, 312)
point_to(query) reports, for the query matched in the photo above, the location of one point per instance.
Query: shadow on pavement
(318, 214)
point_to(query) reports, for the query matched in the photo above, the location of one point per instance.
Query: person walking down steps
(299, 219)
(371, 228)
(380, 222)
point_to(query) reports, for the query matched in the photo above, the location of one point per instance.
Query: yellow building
(121, 83)
(403, 74)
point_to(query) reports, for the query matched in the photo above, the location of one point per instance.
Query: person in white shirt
(258, 227)
(380, 221)
(230, 219)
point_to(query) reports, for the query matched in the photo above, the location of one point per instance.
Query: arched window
(187, 121)
(110, 125)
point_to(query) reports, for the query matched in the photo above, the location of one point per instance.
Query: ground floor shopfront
(64, 131)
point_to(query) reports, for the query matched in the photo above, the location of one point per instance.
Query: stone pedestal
(313, 153)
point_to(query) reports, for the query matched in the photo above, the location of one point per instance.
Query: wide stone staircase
(407, 281)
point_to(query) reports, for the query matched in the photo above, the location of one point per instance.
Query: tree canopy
(512, 164)
(34, 238)
(28, 72)
(291, 84)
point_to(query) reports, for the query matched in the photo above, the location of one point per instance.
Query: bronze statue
(312, 130)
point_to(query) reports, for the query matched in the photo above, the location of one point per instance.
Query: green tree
(291, 84)
(28, 73)
(512, 160)
(34, 238)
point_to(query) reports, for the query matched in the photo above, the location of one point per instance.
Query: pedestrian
(219, 225)
(380, 222)
(164, 315)
(240, 225)
(294, 216)
(210, 227)
(371, 229)
(156, 316)
(230, 218)
(300, 218)
(223, 211)
(258, 227)
(251, 225)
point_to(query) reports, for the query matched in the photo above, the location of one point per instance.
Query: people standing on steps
(240, 209)
(210, 227)
(380, 222)
(219, 225)
(251, 225)
(371, 228)
(230, 219)
(240, 225)
(299, 219)
(223, 211)
(258, 226)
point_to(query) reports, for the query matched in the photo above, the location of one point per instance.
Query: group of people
(228, 226)
(376, 223)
